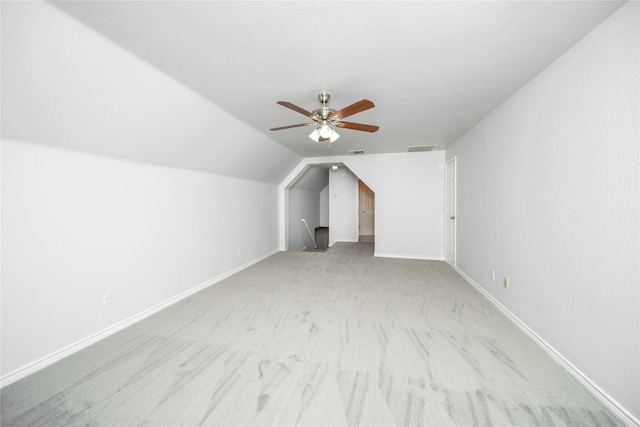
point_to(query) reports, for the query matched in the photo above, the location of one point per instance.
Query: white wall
(409, 190)
(548, 194)
(302, 204)
(343, 206)
(324, 207)
(75, 225)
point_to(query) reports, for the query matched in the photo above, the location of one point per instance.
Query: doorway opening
(366, 213)
(326, 196)
(308, 210)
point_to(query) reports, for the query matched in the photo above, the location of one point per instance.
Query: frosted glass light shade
(325, 131)
(333, 136)
(315, 135)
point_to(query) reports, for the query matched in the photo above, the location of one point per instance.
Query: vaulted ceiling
(433, 69)
(194, 84)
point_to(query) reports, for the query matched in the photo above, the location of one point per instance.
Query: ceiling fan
(326, 119)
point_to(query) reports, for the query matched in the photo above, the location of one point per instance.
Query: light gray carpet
(323, 339)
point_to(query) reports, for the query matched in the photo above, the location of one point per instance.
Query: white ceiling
(433, 69)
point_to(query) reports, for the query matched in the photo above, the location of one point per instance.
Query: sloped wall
(65, 85)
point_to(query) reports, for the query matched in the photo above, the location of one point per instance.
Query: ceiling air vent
(356, 152)
(417, 148)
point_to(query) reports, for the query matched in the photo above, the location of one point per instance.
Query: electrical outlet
(492, 274)
(106, 298)
(239, 250)
(506, 283)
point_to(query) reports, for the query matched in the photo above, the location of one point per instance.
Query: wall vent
(417, 148)
(356, 152)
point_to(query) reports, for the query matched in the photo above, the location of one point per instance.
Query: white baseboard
(406, 256)
(600, 394)
(42, 363)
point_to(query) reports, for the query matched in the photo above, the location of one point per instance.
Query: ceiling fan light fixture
(325, 130)
(315, 135)
(333, 136)
(326, 119)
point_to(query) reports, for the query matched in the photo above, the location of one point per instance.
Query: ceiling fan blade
(297, 109)
(293, 126)
(358, 126)
(363, 104)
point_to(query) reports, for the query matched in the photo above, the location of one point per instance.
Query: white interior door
(366, 205)
(450, 212)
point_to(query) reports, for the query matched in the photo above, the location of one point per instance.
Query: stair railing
(315, 245)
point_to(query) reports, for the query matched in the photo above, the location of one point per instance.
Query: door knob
(453, 217)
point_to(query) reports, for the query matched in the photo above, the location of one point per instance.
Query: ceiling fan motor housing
(324, 111)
